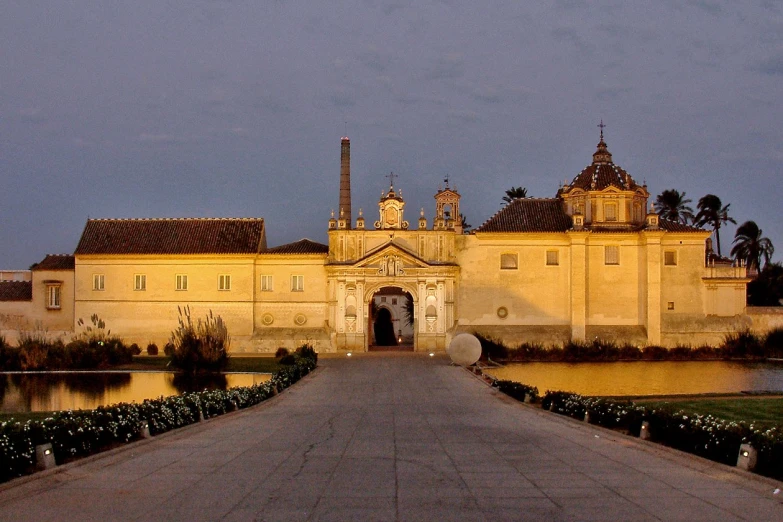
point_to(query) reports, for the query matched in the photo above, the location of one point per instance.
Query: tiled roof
(55, 262)
(602, 173)
(173, 236)
(16, 291)
(303, 246)
(674, 226)
(529, 215)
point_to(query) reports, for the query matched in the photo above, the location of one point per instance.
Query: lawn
(762, 411)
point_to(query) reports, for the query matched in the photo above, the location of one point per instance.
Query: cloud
(772, 66)
(374, 59)
(31, 115)
(571, 36)
(488, 94)
(342, 97)
(146, 137)
(448, 67)
(611, 93)
(464, 116)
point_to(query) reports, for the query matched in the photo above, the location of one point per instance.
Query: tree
(767, 288)
(712, 212)
(515, 193)
(465, 225)
(672, 205)
(750, 247)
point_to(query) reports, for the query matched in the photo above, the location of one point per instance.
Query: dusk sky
(236, 108)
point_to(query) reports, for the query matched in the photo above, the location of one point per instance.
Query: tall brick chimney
(344, 210)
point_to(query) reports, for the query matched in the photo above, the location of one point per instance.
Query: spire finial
(601, 125)
(446, 181)
(391, 177)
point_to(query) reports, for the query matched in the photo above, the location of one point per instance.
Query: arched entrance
(391, 320)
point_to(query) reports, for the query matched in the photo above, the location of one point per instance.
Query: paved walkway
(391, 437)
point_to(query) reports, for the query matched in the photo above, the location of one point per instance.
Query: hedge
(75, 434)
(704, 435)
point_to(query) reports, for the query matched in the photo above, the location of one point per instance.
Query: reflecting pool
(21, 392)
(646, 377)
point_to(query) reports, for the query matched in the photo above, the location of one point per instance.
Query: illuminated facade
(590, 262)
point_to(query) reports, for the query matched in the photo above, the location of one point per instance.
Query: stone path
(392, 437)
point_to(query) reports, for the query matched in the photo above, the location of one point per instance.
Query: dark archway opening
(383, 329)
(391, 321)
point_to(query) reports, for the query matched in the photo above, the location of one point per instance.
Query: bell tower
(447, 216)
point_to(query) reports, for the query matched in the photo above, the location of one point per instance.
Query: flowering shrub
(704, 435)
(517, 390)
(76, 434)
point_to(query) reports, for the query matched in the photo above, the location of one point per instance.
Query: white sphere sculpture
(464, 349)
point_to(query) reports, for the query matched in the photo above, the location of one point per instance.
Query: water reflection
(72, 391)
(646, 378)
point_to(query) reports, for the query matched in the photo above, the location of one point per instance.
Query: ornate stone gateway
(419, 262)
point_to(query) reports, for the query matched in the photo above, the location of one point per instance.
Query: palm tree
(465, 225)
(712, 212)
(672, 205)
(750, 247)
(515, 193)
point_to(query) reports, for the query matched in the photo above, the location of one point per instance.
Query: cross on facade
(391, 177)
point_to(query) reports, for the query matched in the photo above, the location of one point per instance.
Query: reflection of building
(590, 262)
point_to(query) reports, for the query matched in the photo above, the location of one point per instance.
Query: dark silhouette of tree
(514, 193)
(750, 246)
(767, 288)
(409, 310)
(465, 225)
(712, 212)
(672, 205)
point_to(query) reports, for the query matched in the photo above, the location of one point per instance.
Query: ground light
(348, 354)
(432, 354)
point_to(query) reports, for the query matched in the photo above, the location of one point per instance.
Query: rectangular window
(266, 283)
(182, 282)
(394, 300)
(611, 211)
(508, 262)
(297, 283)
(612, 255)
(383, 299)
(224, 282)
(97, 282)
(670, 258)
(53, 297)
(552, 258)
(140, 282)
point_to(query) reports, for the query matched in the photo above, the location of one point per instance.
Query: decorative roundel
(502, 312)
(300, 319)
(267, 319)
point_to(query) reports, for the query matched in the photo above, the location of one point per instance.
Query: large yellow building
(592, 261)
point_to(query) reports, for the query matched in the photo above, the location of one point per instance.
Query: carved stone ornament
(391, 265)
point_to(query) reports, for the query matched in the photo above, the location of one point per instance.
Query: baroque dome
(602, 173)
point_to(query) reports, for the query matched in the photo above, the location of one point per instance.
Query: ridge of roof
(173, 236)
(303, 246)
(529, 215)
(56, 262)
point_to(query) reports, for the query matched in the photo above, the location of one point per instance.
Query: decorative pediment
(391, 260)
